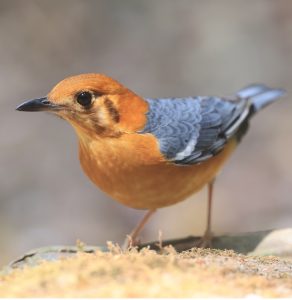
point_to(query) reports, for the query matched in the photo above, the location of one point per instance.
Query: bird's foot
(205, 241)
(130, 242)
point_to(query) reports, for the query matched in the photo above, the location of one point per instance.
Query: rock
(277, 242)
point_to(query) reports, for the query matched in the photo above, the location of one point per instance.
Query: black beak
(40, 104)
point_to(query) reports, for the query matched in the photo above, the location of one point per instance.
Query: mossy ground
(116, 273)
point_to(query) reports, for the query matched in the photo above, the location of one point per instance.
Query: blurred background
(158, 48)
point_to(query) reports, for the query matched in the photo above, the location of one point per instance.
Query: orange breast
(132, 171)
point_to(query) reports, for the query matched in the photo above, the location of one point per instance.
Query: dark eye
(84, 98)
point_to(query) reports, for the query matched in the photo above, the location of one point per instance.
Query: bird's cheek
(99, 117)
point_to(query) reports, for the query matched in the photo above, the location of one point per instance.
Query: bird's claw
(205, 241)
(130, 243)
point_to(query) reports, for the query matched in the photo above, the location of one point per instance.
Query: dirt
(117, 273)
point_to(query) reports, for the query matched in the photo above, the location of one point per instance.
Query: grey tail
(260, 96)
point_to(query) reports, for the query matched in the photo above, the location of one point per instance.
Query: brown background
(157, 48)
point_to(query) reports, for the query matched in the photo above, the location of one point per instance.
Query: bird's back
(193, 129)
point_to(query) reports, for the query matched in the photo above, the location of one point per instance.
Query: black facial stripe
(112, 110)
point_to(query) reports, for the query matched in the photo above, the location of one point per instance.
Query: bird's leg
(206, 240)
(131, 240)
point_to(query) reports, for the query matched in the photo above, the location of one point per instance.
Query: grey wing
(191, 130)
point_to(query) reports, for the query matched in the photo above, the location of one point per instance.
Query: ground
(118, 273)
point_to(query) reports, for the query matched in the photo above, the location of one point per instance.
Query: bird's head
(94, 104)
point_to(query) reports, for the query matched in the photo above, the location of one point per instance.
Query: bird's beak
(40, 104)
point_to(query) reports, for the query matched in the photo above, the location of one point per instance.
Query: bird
(149, 153)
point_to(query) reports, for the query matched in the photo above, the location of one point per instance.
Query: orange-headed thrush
(150, 153)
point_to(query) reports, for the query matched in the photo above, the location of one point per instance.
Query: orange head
(95, 105)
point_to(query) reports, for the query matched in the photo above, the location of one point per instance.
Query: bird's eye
(84, 98)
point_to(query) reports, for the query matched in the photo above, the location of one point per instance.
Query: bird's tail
(260, 96)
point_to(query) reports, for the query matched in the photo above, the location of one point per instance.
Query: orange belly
(132, 171)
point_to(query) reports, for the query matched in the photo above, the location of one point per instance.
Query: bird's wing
(191, 130)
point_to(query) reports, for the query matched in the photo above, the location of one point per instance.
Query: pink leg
(132, 239)
(206, 240)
